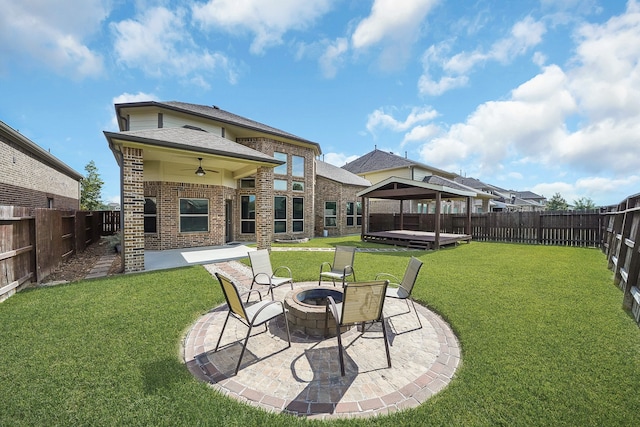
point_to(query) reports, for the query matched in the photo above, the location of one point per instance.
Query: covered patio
(402, 189)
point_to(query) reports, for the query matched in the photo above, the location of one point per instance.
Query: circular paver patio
(305, 379)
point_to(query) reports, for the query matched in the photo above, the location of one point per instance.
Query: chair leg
(386, 342)
(244, 346)
(286, 323)
(222, 331)
(416, 312)
(340, 349)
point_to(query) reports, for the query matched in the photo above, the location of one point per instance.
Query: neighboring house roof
(378, 160)
(193, 140)
(15, 137)
(528, 195)
(340, 175)
(438, 180)
(217, 114)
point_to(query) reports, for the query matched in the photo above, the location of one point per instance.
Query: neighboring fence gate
(33, 242)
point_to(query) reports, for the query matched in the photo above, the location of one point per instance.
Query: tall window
(280, 214)
(297, 166)
(330, 214)
(354, 213)
(282, 169)
(298, 214)
(248, 214)
(150, 215)
(194, 215)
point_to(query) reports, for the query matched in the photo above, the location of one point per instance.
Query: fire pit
(307, 308)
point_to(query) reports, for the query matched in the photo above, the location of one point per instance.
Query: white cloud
(159, 43)
(381, 120)
(338, 159)
(524, 35)
(395, 26)
(333, 56)
(47, 33)
(267, 21)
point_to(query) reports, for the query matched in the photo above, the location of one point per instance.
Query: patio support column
(133, 208)
(401, 215)
(264, 207)
(438, 219)
(364, 228)
(467, 228)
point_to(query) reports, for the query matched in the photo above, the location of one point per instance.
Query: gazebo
(432, 188)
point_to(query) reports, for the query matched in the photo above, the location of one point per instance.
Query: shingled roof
(194, 140)
(378, 160)
(340, 175)
(217, 114)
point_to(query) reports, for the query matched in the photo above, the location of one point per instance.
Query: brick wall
(270, 146)
(26, 181)
(328, 190)
(133, 209)
(168, 195)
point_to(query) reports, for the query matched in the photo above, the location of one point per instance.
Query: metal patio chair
(256, 314)
(342, 266)
(361, 303)
(402, 289)
(263, 273)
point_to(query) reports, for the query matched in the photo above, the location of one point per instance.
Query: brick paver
(305, 379)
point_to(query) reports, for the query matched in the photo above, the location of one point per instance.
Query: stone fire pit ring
(307, 310)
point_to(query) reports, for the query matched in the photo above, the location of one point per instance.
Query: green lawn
(544, 342)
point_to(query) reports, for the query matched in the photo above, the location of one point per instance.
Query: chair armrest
(249, 292)
(325, 264)
(347, 268)
(396, 284)
(255, 316)
(255, 279)
(331, 306)
(283, 267)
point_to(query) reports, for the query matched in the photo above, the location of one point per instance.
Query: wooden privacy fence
(622, 247)
(582, 229)
(33, 242)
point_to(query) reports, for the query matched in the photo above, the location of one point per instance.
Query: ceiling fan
(200, 171)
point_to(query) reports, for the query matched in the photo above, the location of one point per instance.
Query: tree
(91, 188)
(557, 203)
(584, 204)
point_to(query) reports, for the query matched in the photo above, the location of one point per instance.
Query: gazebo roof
(396, 188)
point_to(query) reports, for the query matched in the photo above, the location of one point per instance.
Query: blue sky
(526, 95)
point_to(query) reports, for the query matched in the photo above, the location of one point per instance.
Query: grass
(544, 342)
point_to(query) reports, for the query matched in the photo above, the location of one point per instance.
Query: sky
(539, 95)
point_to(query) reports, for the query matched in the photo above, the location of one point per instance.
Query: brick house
(195, 175)
(33, 178)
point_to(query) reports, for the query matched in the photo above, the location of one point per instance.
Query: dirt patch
(79, 265)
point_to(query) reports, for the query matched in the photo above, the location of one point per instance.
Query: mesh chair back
(343, 257)
(363, 301)
(411, 274)
(232, 296)
(260, 262)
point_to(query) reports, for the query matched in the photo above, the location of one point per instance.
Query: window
(248, 183)
(297, 166)
(297, 186)
(330, 214)
(280, 184)
(248, 214)
(298, 214)
(280, 214)
(194, 215)
(354, 213)
(282, 169)
(150, 215)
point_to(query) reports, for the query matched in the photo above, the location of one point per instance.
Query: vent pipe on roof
(405, 154)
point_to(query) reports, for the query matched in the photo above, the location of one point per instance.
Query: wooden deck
(415, 239)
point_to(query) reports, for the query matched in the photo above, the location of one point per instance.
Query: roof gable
(378, 160)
